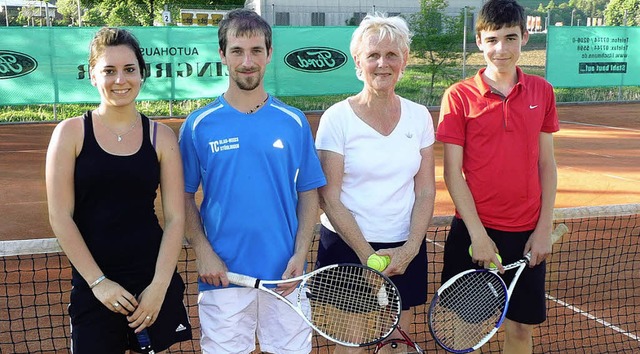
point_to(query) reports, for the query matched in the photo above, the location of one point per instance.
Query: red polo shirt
(500, 137)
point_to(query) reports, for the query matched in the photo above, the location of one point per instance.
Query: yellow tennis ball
(377, 262)
(492, 265)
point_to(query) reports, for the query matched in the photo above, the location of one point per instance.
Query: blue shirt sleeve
(310, 175)
(190, 162)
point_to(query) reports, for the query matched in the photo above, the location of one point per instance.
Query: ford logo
(315, 59)
(14, 64)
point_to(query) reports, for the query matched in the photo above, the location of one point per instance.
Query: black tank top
(115, 210)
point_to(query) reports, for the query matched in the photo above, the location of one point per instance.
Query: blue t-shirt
(251, 167)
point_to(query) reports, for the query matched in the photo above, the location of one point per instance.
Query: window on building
(391, 14)
(282, 19)
(317, 19)
(358, 17)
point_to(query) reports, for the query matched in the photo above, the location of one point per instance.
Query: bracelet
(98, 281)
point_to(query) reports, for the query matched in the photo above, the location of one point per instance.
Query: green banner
(593, 56)
(47, 65)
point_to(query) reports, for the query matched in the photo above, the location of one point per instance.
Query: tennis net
(593, 289)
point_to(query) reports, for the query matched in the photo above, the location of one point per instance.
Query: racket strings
(353, 304)
(394, 345)
(469, 310)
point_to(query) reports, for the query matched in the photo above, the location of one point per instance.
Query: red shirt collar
(486, 89)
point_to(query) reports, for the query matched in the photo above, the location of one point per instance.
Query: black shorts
(95, 329)
(412, 284)
(528, 303)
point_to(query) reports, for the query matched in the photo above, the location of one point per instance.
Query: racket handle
(243, 280)
(144, 341)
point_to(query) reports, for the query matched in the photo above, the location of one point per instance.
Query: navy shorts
(412, 284)
(528, 303)
(97, 330)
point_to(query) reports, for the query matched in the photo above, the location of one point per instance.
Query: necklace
(258, 105)
(120, 135)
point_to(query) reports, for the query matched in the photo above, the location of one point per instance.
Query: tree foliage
(622, 12)
(437, 38)
(139, 12)
(69, 11)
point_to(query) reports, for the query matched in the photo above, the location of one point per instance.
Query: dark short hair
(243, 22)
(111, 37)
(496, 14)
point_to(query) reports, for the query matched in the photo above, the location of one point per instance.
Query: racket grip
(243, 280)
(144, 341)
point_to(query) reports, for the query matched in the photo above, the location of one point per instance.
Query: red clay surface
(597, 151)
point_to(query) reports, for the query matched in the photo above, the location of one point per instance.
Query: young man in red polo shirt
(500, 169)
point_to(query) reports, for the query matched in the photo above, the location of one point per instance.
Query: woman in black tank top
(103, 171)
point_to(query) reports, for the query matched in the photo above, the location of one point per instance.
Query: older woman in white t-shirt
(376, 150)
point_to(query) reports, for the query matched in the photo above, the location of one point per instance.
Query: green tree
(69, 11)
(140, 12)
(93, 17)
(619, 10)
(437, 38)
(588, 8)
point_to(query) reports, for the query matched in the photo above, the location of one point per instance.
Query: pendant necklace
(119, 136)
(258, 105)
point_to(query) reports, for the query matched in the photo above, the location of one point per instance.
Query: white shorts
(232, 318)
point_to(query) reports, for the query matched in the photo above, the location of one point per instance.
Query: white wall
(337, 12)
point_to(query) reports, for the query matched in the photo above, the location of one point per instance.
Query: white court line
(592, 317)
(435, 243)
(604, 174)
(576, 310)
(23, 151)
(25, 203)
(601, 126)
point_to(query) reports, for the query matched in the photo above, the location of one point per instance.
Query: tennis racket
(468, 309)
(349, 304)
(390, 345)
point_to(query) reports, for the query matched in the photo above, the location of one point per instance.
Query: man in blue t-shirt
(255, 159)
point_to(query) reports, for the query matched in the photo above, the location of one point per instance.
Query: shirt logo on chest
(224, 144)
(278, 144)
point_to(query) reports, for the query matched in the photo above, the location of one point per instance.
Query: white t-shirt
(379, 171)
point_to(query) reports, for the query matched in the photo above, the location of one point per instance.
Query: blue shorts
(528, 304)
(412, 284)
(96, 329)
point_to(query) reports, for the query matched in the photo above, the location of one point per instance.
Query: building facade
(327, 12)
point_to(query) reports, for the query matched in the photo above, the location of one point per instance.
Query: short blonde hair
(394, 27)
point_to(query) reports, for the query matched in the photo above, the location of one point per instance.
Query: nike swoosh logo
(532, 107)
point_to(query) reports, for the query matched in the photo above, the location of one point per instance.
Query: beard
(247, 83)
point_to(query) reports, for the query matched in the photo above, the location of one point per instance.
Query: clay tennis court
(597, 151)
(598, 154)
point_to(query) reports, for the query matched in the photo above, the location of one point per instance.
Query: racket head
(394, 343)
(467, 310)
(351, 304)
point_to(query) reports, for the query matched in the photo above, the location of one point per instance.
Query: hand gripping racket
(394, 343)
(468, 309)
(349, 304)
